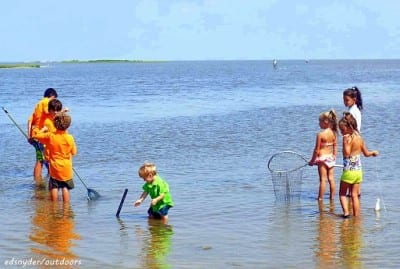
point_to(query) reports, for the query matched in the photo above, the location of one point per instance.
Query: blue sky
(50, 30)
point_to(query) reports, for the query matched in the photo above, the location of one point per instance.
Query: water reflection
(156, 244)
(53, 230)
(351, 243)
(327, 241)
(339, 241)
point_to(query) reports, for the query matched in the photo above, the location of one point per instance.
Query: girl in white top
(353, 101)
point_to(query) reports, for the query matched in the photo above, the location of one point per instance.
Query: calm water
(210, 127)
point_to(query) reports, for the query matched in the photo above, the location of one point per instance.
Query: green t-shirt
(156, 188)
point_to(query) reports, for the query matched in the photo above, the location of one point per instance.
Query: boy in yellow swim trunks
(353, 146)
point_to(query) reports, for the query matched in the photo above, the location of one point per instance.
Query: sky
(50, 30)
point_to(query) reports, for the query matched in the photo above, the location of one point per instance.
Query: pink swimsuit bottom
(329, 160)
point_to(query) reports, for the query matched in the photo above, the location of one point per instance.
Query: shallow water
(210, 127)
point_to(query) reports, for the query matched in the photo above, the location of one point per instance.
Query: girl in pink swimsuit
(325, 151)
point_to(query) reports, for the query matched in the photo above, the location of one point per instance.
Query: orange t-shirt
(49, 124)
(38, 116)
(61, 147)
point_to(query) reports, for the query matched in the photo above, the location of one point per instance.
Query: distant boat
(274, 63)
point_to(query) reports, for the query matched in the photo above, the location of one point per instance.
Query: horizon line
(197, 60)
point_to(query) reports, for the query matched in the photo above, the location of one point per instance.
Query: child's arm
(44, 129)
(42, 137)
(29, 127)
(141, 199)
(335, 147)
(73, 149)
(316, 150)
(157, 199)
(31, 130)
(368, 153)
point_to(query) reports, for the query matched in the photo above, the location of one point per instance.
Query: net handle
(294, 169)
(284, 152)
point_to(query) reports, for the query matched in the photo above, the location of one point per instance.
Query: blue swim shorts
(162, 212)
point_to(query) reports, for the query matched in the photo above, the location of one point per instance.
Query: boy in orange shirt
(61, 148)
(35, 124)
(55, 106)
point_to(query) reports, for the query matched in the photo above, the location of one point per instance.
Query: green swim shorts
(352, 176)
(38, 150)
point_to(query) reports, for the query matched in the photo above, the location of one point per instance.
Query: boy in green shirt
(161, 199)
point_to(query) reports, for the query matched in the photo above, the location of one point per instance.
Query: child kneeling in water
(161, 199)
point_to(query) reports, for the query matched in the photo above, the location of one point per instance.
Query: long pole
(15, 123)
(121, 203)
(23, 132)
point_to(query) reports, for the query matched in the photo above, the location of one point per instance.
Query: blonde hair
(147, 169)
(331, 117)
(62, 121)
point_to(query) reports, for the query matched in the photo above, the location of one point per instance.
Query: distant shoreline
(25, 65)
(40, 64)
(110, 61)
(45, 64)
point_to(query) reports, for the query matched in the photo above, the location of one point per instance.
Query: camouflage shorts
(39, 150)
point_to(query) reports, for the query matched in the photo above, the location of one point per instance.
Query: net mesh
(92, 194)
(287, 185)
(286, 173)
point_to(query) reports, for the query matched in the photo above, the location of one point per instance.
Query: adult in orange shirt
(35, 124)
(61, 147)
